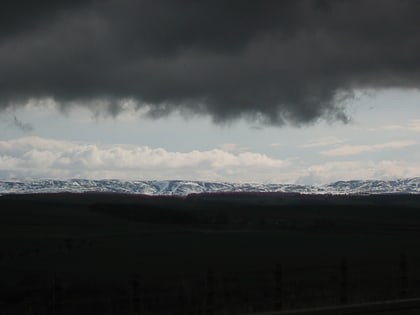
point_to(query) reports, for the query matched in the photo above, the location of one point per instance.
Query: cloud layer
(357, 149)
(35, 157)
(357, 169)
(270, 61)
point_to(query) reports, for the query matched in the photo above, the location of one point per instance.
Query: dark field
(205, 254)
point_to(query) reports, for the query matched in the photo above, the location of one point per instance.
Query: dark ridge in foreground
(217, 253)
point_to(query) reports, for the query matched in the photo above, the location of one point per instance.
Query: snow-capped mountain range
(183, 188)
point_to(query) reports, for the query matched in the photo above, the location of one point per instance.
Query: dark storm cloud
(272, 61)
(23, 126)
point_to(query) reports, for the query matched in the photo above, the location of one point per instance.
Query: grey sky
(369, 146)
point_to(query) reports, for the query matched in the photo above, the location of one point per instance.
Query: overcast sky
(240, 91)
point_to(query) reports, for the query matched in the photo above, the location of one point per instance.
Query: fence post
(210, 303)
(403, 276)
(136, 294)
(53, 294)
(226, 292)
(344, 281)
(278, 287)
(183, 298)
(56, 295)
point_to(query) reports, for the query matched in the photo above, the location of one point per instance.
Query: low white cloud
(357, 149)
(349, 170)
(35, 157)
(232, 147)
(414, 125)
(411, 125)
(393, 127)
(322, 142)
(388, 128)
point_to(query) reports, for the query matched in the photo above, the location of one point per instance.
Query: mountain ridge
(184, 188)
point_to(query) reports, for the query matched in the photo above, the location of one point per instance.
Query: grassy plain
(105, 239)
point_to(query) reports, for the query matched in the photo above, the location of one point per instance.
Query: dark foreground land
(205, 254)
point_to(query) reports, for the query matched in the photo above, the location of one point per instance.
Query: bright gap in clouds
(380, 142)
